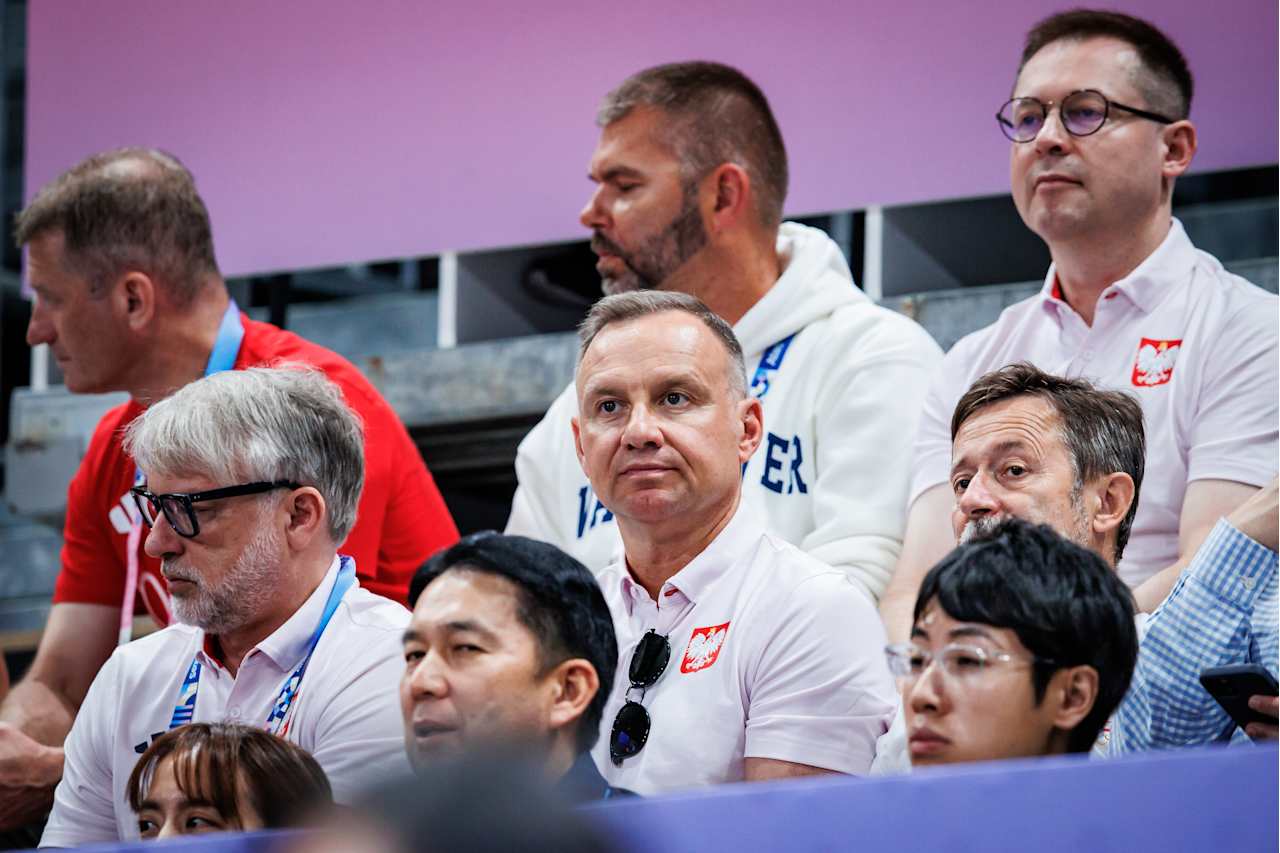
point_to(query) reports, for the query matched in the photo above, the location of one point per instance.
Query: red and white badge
(1154, 363)
(704, 647)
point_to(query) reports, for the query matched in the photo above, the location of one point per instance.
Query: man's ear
(307, 517)
(729, 188)
(574, 684)
(752, 428)
(133, 298)
(1112, 495)
(1179, 141)
(577, 443)
(1073, 692)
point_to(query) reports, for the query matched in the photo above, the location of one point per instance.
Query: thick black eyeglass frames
(631, 726)
(179, 509)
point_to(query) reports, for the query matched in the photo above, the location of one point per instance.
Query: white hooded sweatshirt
(842, 382)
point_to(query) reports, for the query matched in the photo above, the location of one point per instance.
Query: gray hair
(286, 422)
(1103, 430)
(127, 209)
(717, 115)
(622, 307)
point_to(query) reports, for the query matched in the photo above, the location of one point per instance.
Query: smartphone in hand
(1233, 685)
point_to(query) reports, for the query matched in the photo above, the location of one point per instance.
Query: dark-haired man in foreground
(510, 642)
(1057, 451)
(1022, 645)
(1099, 132)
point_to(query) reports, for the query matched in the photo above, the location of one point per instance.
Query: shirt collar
(287, 644)
(729, 548)
(582, 783)
(1149, 282)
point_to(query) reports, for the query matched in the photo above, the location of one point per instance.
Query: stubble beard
(1078, 533)
(653, 262)
(232, 603)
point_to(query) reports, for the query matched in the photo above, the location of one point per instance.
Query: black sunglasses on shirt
(631, 726)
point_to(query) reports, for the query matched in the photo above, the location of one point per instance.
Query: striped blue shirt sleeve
(1223, 610)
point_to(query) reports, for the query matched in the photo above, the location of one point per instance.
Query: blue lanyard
(770, 361)
(185, 708)
(227, 346)
(223, 357)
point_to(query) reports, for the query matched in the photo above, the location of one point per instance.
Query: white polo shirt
(346, 711)
(773, 655)
(1196, 345)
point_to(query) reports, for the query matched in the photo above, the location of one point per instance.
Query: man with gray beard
(251, 478)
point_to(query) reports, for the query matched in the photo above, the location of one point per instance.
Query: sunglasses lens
(650, 659)
(630, 731)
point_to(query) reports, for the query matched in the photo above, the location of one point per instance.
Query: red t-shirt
(401, 519)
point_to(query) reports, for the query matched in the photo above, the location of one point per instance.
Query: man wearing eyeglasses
(1022, 644)
(120, 257)
(1099, 131)
(741, 657)
(252, 480)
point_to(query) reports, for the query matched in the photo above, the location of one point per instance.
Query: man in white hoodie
(691, 175)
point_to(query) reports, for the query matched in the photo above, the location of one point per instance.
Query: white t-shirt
(841, 381)
(1195, 344)
(773, 655)
(346, 711)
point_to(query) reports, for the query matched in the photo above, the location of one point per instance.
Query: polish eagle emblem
(704, 647)
(1154, 362)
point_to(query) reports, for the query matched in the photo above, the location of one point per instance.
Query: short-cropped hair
(1103, 430)
(716, 115)
(128, 209)
(1166, 84)
(632, 305)
(1065, 604)
(287, 422)
(215, 762)
(557, 599)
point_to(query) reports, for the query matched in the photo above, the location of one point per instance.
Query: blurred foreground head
(482, 802)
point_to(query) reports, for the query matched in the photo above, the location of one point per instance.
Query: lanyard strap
(223, 357)
(185, 708)
(227, 346)
(770, 361)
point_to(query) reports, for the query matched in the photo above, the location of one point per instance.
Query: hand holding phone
(1232, 686)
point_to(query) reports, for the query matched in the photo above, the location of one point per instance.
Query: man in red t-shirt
(129, 297)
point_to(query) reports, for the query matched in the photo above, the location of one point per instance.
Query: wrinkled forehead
(654, 347)
(1028, 419)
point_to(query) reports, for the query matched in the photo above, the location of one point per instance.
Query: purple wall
(327, 132)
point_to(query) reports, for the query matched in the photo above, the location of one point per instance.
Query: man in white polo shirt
(1099, 133)
(251, 478)
(741, 657)
(690, 178)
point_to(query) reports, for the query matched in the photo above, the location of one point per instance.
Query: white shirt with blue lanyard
(226, 348)
(341, 654)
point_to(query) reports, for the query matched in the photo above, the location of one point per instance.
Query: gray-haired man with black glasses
(252, 478)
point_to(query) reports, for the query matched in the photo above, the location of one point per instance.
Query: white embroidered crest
(704, 647)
